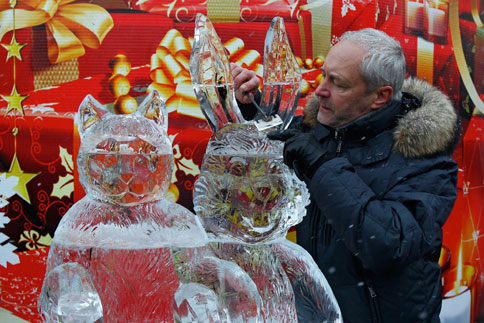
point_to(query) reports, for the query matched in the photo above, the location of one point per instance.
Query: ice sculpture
(282, 76)
(124, 253)
(245, 195)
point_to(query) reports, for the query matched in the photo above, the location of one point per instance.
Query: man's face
(342, 93)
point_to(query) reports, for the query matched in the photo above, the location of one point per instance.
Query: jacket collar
(367, 126)
(418, 129)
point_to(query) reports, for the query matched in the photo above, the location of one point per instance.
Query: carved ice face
(245, 192)
(123, 159)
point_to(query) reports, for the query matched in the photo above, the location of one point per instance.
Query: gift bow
(70, 27)
(170, 74)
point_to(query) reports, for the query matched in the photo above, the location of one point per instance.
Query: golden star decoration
(15, 100)
(14, 49)
(23, 178)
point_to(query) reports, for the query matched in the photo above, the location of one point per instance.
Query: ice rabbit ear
(282, 75)
(153, 107)
(211, 77)
(90, 112)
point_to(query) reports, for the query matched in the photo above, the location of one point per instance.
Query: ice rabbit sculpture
(124, 253)
(245, 195)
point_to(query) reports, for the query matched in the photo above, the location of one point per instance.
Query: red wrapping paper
(20, 284)
(386, 9)
(352, 15)
(134, 34)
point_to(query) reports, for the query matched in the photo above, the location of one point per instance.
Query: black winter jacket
(374, 225)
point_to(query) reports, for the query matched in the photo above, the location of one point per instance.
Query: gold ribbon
(223, 10)
(475, 14)
(302, 35)
(70, 27)
(170, 75)
(459, 52)
(321, 20)
(425, 60)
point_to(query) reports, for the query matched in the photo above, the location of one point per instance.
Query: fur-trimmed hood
(431, 128)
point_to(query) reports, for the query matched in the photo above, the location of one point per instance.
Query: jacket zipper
(316, 220)
(375, 309)
(339, 141)
(315, 223)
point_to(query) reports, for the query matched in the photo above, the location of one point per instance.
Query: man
(377, 163)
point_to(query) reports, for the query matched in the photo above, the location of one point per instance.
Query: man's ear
(382, 96)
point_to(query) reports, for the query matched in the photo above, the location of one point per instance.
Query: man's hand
(302, 152)
(245, 81)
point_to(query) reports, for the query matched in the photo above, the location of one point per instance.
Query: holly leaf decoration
(65, 184)
(188, 166)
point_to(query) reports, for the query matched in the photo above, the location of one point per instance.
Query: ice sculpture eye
(237, 166)
(273, 168)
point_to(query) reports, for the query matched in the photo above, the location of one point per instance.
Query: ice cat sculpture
(245, 195)
(115, 254)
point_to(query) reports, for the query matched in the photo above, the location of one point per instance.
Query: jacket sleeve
(392, 228)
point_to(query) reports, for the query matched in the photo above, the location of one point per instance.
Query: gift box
(330, 19)
(134, 34)
(67, 29)
(430, 61)
(256, 13)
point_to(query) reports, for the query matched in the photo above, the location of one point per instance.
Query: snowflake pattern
(7, 253)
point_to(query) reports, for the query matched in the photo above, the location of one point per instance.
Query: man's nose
(322, 89)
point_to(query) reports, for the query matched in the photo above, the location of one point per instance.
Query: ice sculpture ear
(282, 75)
(90, 111)
(211, 76)
(153, 107)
